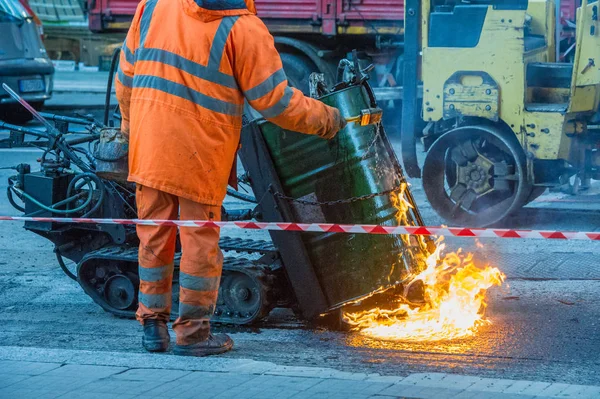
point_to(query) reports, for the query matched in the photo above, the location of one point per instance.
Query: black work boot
(156, 336)
(214, 345)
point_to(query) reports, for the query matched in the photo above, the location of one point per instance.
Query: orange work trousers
(200, 267)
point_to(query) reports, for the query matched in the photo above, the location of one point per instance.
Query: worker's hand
(338, 124)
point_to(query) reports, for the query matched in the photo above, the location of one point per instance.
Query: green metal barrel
(356, 163)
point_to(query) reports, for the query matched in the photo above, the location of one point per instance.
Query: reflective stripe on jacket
(185, 70)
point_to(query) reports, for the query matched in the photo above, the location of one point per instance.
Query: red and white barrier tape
(334, 228)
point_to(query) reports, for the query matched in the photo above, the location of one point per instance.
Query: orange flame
(454, 298)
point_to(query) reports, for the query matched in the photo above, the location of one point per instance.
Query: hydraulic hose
(56, 205)
(62, 264)
(241, 196)
(111, 74)
(89, 177)
(99, 186)
(9, 194)
(87, 154)
(59, 211)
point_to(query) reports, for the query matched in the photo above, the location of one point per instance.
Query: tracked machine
(293, 178)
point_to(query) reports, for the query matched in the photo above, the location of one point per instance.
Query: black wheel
(120, 292)
(242, 298)
(476, 176)
(16, 114)
(298, 69)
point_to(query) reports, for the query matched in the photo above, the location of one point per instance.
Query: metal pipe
(113, 66)
(70, 142)
(557, 30)
(67, 119)
(241, 196)
(51, 131)
(24, 130)
(81, 140)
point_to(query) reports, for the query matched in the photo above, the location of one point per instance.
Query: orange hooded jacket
(185, 70)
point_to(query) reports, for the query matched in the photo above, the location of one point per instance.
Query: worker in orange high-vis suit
(186, 68)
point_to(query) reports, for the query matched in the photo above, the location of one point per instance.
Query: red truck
(311, 35)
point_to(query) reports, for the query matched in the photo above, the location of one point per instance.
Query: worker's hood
(209, 10)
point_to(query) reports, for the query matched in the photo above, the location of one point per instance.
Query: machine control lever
(590, 64)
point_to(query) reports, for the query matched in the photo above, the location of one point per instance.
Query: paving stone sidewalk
(44, 373)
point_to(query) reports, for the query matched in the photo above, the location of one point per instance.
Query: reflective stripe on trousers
(200, 267)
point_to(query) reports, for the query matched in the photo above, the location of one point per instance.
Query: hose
(56, 205)
(59, 211)
(52, 209)
(241, 196)
(111, 73)
(9, 194)
(99, 186)
(89, 177)
(75, 180)
(87, 154)
(62, 264)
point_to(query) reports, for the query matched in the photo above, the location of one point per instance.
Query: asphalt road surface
(545, 317)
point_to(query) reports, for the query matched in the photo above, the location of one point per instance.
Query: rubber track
(246, 245)
(225, 243)
(259, 272)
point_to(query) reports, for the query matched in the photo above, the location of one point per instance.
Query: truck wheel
(476, 176)
(298, 69)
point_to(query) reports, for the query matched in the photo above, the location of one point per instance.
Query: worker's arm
(259, 73)
(125, 72)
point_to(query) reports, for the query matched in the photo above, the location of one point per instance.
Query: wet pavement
(543, 330)
(545, 317)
